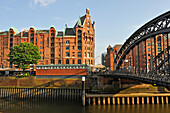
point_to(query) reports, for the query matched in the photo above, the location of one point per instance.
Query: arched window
(79, 32)
(32, 37)
(59, 61)
(79, 61)
(11, 39)
(67, 61)
(52, 34)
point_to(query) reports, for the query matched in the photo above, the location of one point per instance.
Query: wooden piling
(157, 100)
(113, 100)
(167, 100)
(137, 100)
(123, 100)
(143, 100)
(133, 100)
(108, 100)
(128, 100)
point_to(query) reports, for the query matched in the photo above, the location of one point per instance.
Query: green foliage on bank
(23, 55)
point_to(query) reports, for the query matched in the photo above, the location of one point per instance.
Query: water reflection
(62, 107)
(156, 108)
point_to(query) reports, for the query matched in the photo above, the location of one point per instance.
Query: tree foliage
(23, 55)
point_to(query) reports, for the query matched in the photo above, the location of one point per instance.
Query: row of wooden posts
(108, 100)
(41, 93)
(76, 95)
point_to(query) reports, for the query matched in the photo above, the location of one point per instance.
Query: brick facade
(72, 46)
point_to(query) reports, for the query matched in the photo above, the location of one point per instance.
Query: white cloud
(58, 18)
(42, 3)
(7, 8)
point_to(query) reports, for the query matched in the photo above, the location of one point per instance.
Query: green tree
(23, 55)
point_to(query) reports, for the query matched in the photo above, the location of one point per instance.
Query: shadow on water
(71, 107)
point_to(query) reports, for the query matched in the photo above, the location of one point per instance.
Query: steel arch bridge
(145, 54)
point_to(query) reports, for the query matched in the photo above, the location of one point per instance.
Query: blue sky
(115, 20)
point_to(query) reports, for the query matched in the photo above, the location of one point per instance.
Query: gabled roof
(81, 20)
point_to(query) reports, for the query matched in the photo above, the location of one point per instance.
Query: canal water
(62, 107)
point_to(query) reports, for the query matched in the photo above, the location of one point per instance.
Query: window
(52, 61)
(67, 54)
(79, 54)
(79, 32)
(79, 61)
(73, 47)
(148, 49)
(52, 40)
(79, 42)
(59, 55)
(59, 49)
(59, 43)
(52, 34)
(67, 42)
(73, 62)
(67, 61)
(91, 61)
(32, 38)
(85, 54)
(67, 47)
(73, 54)
(52, 55)
(59, 61)
(79, 47)
(52, 44)
(88, 54)
(52, 50)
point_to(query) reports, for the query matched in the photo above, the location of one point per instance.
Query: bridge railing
(149, 76)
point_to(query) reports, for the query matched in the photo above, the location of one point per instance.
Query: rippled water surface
(62, 107)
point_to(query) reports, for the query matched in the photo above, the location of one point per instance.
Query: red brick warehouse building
(72, 46)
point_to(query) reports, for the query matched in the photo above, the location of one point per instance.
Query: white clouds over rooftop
(42, 3)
